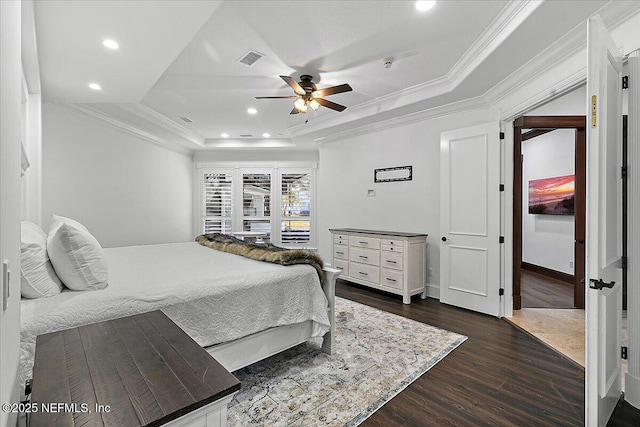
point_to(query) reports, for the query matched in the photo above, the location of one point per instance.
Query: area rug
(378, 355)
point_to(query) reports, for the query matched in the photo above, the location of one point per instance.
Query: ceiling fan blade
(277, 97)
(332, 90)
(294, 85)
(294, 111)
(330, 104)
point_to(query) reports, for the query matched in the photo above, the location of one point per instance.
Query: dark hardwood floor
(500, 376)
(540, 291)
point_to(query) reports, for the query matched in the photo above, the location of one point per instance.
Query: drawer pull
(365, 274)
(391, 280)
(389, 261)
(340, 253)
(364, 243)
(363, 257)
(390, 249)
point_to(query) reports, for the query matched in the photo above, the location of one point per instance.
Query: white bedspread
(214, 296)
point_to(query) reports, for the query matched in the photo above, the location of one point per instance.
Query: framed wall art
(552, 196)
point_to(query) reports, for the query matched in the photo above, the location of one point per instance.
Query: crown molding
(556, 70)
(542, 91)
(554, 56)
(507, 21)
(163, 121)
(418, 116)
(87, 111)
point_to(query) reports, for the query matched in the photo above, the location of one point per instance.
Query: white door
(470, 218)
(604, 231)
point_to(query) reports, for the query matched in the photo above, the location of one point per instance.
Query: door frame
(540, 125)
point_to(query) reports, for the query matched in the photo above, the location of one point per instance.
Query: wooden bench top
(143, 368)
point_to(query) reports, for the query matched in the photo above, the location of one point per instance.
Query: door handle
(599, 284)
(444, 239)
(580, 241)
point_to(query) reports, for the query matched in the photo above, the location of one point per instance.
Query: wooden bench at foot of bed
(128, 371)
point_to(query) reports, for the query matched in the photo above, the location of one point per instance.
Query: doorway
(526, 128)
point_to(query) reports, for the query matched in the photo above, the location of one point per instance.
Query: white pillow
(76, 255)
(37, 278)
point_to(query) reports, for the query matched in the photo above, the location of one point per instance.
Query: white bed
(239, 309)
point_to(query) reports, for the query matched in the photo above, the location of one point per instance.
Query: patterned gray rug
(378, 355)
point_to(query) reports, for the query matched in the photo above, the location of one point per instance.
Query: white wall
(346, 173)
(125, 190)
(548, 240)
(10, 201)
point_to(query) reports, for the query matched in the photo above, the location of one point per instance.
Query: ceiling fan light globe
(314, 104)
(299, 104)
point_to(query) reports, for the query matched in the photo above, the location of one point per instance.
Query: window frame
(277, 170)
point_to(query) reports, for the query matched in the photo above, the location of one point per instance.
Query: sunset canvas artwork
(552, 196)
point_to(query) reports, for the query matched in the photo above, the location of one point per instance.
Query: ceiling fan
(308, 95)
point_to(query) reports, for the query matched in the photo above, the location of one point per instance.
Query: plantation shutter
(217, 190)
(295, 205)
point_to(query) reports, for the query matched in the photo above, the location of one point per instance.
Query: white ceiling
(179, 58)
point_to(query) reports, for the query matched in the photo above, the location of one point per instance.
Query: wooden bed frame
(242, 352)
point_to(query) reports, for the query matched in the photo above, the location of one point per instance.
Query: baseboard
(433, 291)
(558, 275)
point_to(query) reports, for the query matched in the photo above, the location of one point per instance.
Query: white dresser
(386, 260)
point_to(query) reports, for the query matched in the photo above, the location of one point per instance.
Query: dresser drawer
(342, 264)
(393, 248)
(391, 260)
(391, 278)
(341, 239)
(364, 272)
(364, 242)
(393, 242)
(341, 251)
(365, 256)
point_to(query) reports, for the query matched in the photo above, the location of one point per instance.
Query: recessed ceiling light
(266, 135)
(252, 111)
(95, 86)
(224, 135)
(111, 44)
(423, 6)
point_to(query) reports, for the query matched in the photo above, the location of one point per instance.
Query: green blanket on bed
(263, 252)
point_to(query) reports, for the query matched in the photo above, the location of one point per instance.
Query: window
(217, 203)
(276, 201)
(256, 202)
(295, 225)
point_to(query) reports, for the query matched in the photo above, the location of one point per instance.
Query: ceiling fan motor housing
(306, 83)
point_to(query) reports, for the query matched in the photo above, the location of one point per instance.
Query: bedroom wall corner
(345, 174)
(10, 202)
(124, 189)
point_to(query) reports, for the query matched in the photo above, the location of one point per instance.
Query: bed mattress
(213, 296)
